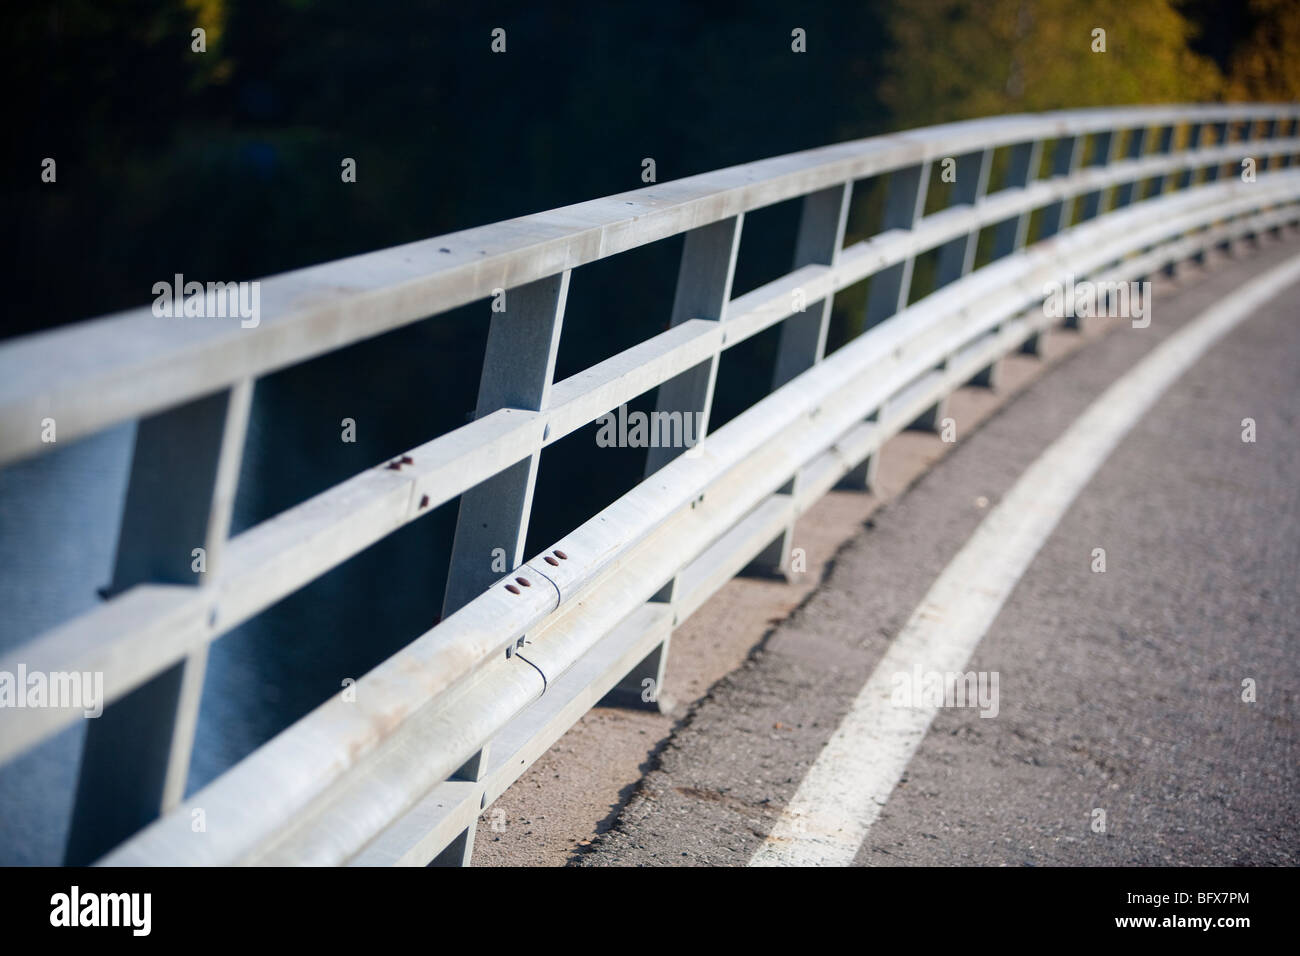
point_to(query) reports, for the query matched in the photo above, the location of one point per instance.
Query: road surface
(1146, 714)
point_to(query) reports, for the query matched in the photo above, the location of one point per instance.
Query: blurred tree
(1266, 65)
(955, 59)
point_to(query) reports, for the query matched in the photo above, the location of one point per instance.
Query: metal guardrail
(399, 774)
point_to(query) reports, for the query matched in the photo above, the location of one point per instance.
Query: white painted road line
(845, 789)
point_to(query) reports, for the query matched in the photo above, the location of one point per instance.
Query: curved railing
(400, 771)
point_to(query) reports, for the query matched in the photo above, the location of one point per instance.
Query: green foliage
(1267, 64)
(957, 59)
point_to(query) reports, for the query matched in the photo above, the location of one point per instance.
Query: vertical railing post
(1158, 183)
(1066, 156)
(803, 335)
(1193, 173)
(1105, 147)
(821, 234)
(1290, 126)
(1275, 128)
(904, 205)
(518, 366)
(704, 277)
(630, 691)
(862, 477)
(890, 288)
(1010, 235)
(184, 472)
(1220, 139)
(1187, 178)
(1267, 131)
(1164, 147)
(518, 371)
(703, 292)
(1126, 191)
(957, 256)
(1222, 135)
(459, 852)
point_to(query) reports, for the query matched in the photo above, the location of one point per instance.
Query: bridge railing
(399, 770)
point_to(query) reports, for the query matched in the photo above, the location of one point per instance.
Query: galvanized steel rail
(438, 731)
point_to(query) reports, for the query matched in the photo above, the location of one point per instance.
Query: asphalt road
(1119, 691)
